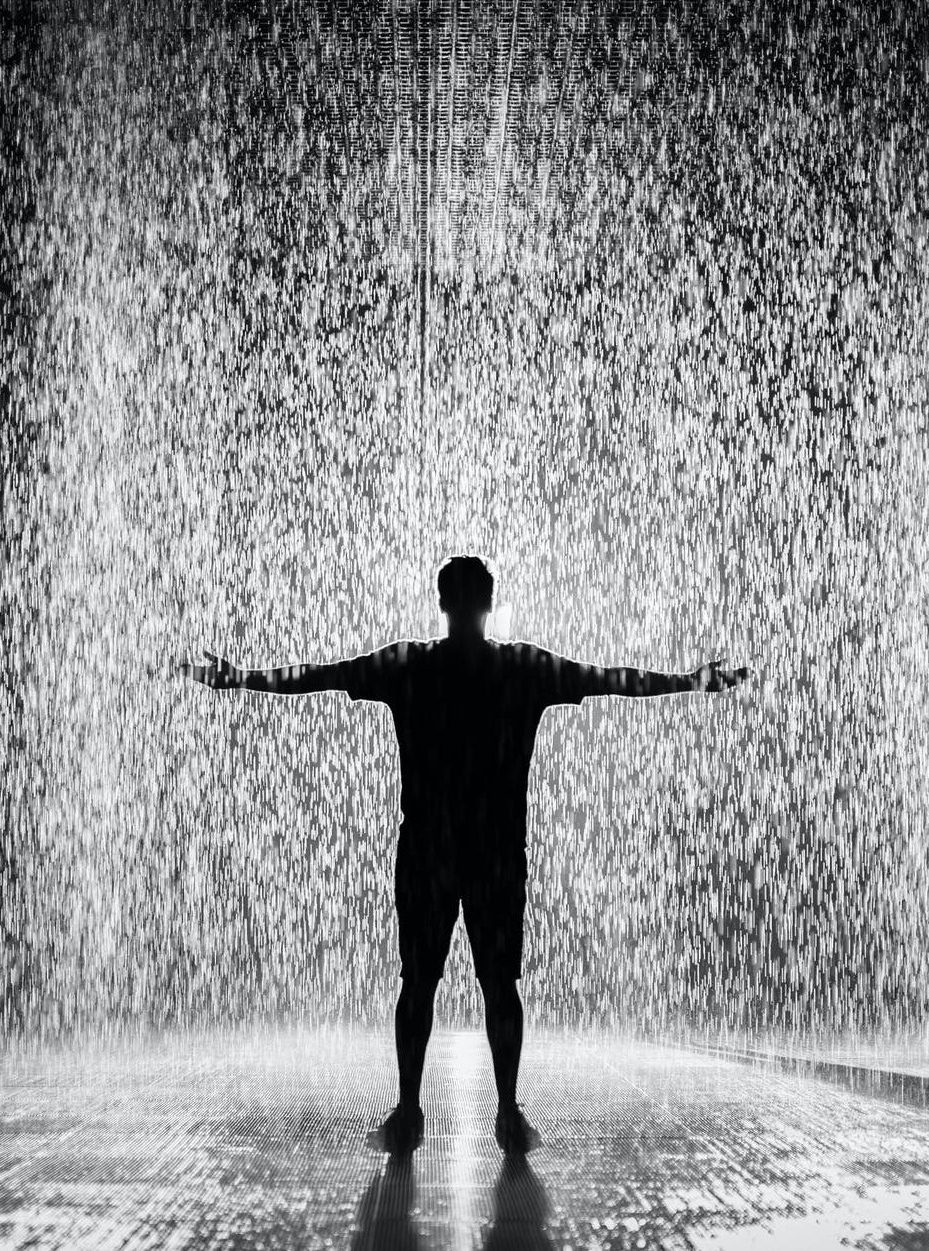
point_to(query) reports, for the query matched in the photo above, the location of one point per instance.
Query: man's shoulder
(404, 651)
(523, 652)
(516, 653)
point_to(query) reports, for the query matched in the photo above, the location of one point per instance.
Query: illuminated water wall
(297, 304)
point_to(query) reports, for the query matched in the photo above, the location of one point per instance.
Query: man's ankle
(409, 1107)
(506, 1105)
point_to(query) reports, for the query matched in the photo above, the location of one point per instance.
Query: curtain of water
(679, 397)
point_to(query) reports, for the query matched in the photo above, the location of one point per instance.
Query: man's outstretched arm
(710, 678)
(221, 675)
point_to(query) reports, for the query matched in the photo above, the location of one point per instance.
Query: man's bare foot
(514, 1134)
(400, 1133)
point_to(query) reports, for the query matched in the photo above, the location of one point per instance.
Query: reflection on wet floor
(258, 1140)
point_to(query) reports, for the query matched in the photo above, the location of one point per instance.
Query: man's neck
(465, 638)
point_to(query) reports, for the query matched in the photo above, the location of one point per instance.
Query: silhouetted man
(466, 711)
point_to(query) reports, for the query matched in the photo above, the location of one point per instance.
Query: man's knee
(499, 988)
(419, 989)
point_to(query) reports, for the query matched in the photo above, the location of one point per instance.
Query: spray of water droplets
(296, 308)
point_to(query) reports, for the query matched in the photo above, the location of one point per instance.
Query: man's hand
(218, 674)
(713, 677)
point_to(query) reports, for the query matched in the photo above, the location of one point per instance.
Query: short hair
(465, 583)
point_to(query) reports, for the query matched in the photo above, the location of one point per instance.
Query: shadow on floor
(520, 1207)
(520, 1210)
(385, 1211)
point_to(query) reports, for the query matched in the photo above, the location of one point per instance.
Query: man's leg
(494, 905)
(494, 899)
(504, 1019)
(427, 901)
(413, 1025)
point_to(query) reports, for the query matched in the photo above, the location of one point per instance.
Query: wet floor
(257, 1140)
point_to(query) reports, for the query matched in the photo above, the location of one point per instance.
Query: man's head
(466, 593)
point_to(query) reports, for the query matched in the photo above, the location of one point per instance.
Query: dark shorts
(491, 890)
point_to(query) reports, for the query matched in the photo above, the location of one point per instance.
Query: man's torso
(466, 717)
(466, 722)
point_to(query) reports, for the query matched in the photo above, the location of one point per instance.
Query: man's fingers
(713, 677)
(214, 670)
(735, 676)
(199, 673)
(713, 673)
(218, 674)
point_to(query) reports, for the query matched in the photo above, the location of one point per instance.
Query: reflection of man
(466, 710)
